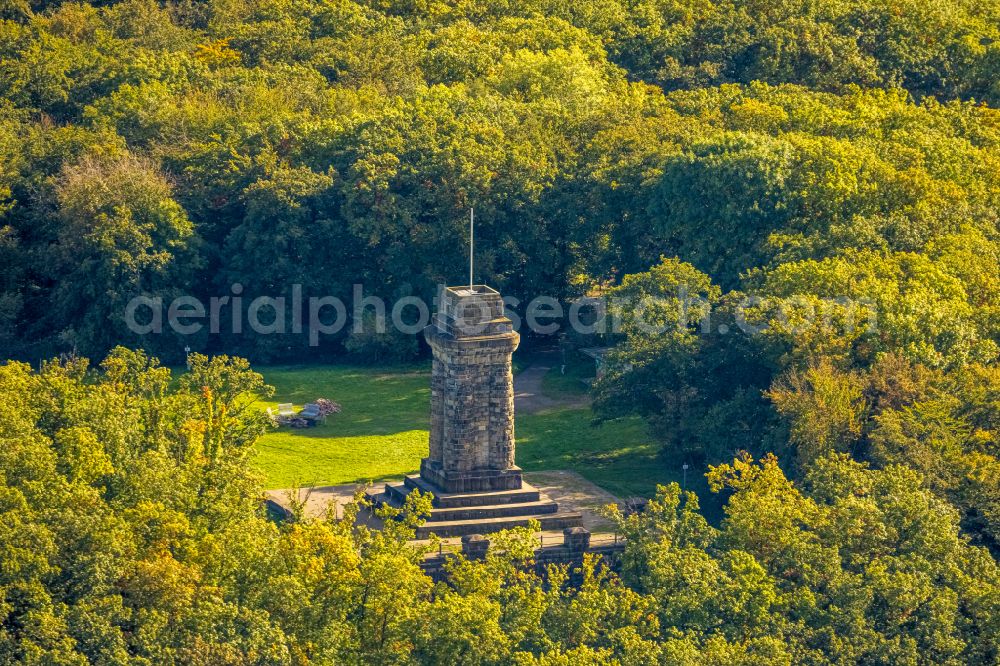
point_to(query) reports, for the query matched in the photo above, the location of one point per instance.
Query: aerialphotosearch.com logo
(319, 316)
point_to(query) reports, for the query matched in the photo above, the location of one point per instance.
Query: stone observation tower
(472, 394)
(470, 468)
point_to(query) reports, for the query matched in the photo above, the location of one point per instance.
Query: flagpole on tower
(472, 243)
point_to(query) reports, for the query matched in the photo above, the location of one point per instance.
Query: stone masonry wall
(472, 415)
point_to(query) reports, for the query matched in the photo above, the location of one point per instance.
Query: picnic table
(311, 414)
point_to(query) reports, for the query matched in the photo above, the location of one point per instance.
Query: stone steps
(458, 514)
(454, 528)
(395, 495)
(527, 493)
(538, 508)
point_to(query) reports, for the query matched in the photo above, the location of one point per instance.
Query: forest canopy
(184, 147)
(131, 532)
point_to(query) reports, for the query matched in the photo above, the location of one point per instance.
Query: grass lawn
(572, 382)
(382, 433)
(619, 457)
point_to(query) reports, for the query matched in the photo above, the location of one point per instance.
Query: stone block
(475, 546)
(576, 539)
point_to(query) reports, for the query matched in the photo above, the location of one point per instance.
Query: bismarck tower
(472, 394)
(470, 468)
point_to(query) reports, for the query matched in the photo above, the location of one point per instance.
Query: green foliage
(820, 176)
(265, 143)
(824, 45)
(657, 313)
(838, 571)
(119, 235)
(825, 409)
(149, 543)
(367, 343)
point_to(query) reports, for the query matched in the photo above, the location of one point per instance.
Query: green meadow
(383, 429)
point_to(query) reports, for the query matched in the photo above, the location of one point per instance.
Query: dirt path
(575, 493)
(528, 395)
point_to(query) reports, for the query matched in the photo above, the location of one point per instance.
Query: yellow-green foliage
(132, 531)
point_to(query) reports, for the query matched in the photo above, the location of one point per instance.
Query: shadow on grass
(361, 481)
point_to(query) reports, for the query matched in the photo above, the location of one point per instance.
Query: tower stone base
(479, 480)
